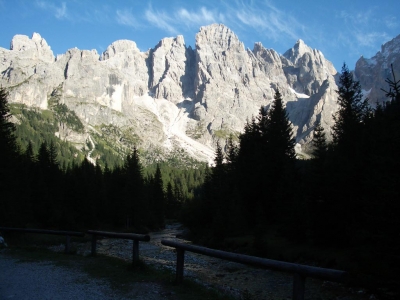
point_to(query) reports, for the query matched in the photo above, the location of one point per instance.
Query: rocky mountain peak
(34, 48)
(173, 96)
(297, 52)
(119, 46)
(218, 36)
(372, 72)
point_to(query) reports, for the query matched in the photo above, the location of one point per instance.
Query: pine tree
(158, 198)
(8, 145)
(52, 151)
(10, 181)
(278, 134)
(320, 146)
(350, 160)
(135, 207)
(279, 172)
(232, 152)
(352, 114)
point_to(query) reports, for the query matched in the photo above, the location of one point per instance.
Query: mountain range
(175, 98)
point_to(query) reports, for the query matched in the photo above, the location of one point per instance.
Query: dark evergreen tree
(29, 155)
(353, 112)
(317, 177)
(232, 152)
(8, 149)
(319, 143)
(277, 132)
(158, 201)
(382, 179)
(135, 209)
(350, 160)
(10, 183)
(278, 160)
(52, 152)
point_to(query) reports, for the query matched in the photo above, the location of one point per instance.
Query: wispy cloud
(370, 39)
(77, 11)
(265, 17)
(161, 20)
(60, 12)
(363, 31)
(392, 22)
(125, 17)
(172, 22)
(201, 17)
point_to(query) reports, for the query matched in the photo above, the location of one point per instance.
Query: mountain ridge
(173, 96)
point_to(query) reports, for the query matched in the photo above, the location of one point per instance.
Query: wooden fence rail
(300, 272)
(130, 236)
(68, 234)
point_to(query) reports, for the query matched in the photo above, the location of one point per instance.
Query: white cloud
(391, 22)
(363, 31)
(125, 17)
(198, 18)
(161, 20)
(60, 12)
(370, 39)
(271, 20)
(173, 22)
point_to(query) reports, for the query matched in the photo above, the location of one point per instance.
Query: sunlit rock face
(173, 96)
(372, 72)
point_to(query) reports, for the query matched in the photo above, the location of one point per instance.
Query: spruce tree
(10, 200)
(279, 165)
(135, 207)
(353, 112)
(158, 199)
(320, 146)
(8, 145)
(278, 134)
(350, 160)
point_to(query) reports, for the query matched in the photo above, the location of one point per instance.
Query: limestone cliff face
(232, 83)
(174, 96)
(372, 72)
(171, 68)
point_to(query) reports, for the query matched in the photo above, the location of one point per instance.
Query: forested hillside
(48, 183)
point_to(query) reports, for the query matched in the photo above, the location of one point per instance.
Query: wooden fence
(68, 234)
(130, 236)
(95, 234)
(300, 272)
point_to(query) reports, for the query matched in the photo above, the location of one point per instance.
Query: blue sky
(342, 30)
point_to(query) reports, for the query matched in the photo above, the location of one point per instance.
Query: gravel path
(45, 281)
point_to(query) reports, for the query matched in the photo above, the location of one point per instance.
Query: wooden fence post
(94, 244)
(135, 252)
(67, 244)
(299, 283)
(180, 261)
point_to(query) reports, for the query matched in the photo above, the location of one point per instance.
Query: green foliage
(36, 127)
(197, 131)
(319, 143)
(68, 117)
(224, 134)
(7, 129)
